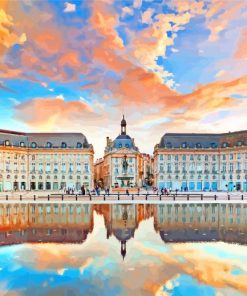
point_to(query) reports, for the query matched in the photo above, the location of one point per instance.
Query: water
(76, 249)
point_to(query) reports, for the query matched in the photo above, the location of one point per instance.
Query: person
(176, 191)
(127, 192)
(138, 190)
(108, 191)
(83, 191)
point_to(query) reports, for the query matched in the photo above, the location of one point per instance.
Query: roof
(72, 140)
(203, 140)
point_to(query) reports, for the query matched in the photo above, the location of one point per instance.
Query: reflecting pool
(87, 249)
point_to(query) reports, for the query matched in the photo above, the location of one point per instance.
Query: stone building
(196, 162)
(121, 166)
(45, 161)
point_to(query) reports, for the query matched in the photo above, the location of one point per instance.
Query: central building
(121, 166)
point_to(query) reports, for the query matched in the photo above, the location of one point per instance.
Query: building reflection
(61, 223)
(121, 221)
(202, 222)
(71, 223)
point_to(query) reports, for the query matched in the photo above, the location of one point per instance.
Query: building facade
(45, 161)
(197, 162)
(121, 166)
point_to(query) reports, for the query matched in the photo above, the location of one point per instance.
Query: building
(121, 165)
(45, 161)
(201, 161)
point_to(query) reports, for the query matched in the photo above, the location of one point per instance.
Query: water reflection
(71, 223)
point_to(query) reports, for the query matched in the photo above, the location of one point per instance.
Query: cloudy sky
(169, 66)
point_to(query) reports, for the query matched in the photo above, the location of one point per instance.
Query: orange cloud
(46, 113)
(241, 52)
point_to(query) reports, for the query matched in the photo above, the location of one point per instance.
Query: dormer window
(120, 145)
(48, 145)
(213, 145)
(224, 145)
(79, 145)
(127, 145)
(64, 145)
(7, 143)
(198, 145)
(184, 145)
(169, 145)
(239, 143)
(34, 145)
(22, 144)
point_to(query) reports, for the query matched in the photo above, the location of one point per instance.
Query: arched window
(7, 143)
(48, 145)
(79, 145)
(34, 145)
(64, 145)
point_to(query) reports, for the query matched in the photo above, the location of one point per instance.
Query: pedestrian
(138, 191)
(127, 192)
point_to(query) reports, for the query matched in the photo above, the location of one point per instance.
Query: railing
(128, 197)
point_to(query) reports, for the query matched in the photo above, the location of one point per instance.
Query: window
(48, 145)
(224, 145)
(184, 157)
(7, 143)
(213, 145)
(169, 145)
(79, 145)
(127, 145)
(176, 157)
(161, 157)
(33, 145)
(64, 145)
(231, 156)
(240, 143)
(22, 144)
(184, 145)
(119, 145)
(198, 145)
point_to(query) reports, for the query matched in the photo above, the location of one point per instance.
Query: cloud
(147, 16)
(241, 52)
(69, 7)
(46, 113)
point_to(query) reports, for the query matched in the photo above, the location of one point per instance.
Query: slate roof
(193, 140)
(41, 139)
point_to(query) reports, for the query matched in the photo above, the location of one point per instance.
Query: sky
(169, 66)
